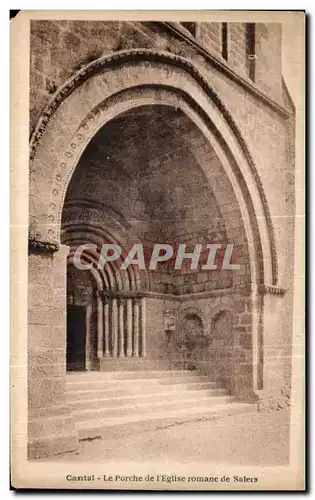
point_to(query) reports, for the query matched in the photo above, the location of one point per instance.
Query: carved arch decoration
(108, 87)
(112, 278)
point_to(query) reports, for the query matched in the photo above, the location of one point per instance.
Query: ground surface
(248, 439)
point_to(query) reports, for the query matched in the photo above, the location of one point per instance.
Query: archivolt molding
(80, 232)
(115, 279)
(94, 120)
(77, 214)
(86, 222)
(130, 279)
(133, 97)
(100, 278)
(85, 209)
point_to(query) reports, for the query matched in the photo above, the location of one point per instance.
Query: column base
(273, 400)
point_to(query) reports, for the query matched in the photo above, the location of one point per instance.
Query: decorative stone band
(121, 295)
(271, 290)
(139, 294)
(35, 246)
(110, 60)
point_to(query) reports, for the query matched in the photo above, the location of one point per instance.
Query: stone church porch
(140, 146)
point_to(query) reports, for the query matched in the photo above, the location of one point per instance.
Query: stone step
(149, 408)
(75, 403)
(128, 424)
(81, 383)
(109, 403)
(133, 364)
(101, 390)
(94, 376)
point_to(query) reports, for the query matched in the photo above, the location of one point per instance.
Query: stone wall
(60, 48)
(225, 351)
(51, 427)
(236, 369)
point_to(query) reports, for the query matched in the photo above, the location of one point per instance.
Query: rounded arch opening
(149, 81)
(149, 176)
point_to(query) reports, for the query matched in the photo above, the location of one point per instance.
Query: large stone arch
(108, 87)
(101, 91)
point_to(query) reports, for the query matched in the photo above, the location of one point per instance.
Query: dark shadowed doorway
(76, 338)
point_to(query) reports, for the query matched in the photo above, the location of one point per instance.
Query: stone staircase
(119, 403)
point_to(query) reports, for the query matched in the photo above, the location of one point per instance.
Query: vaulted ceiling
(142, 166)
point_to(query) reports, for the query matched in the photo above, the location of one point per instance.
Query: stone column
(106, 328)
(51, 427)
(135, 347)
(273, 347)
(143, 327)
(129, 328)
(242, 366)
(88, 317)
(114, 327)
(121, 340)
(100, 331)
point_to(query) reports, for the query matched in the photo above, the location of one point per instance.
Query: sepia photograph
(158, 224)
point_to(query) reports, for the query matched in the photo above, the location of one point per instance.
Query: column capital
(44, 247)
(271, 290)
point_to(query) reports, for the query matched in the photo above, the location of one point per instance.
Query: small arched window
(224, 40)
(251, 50)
